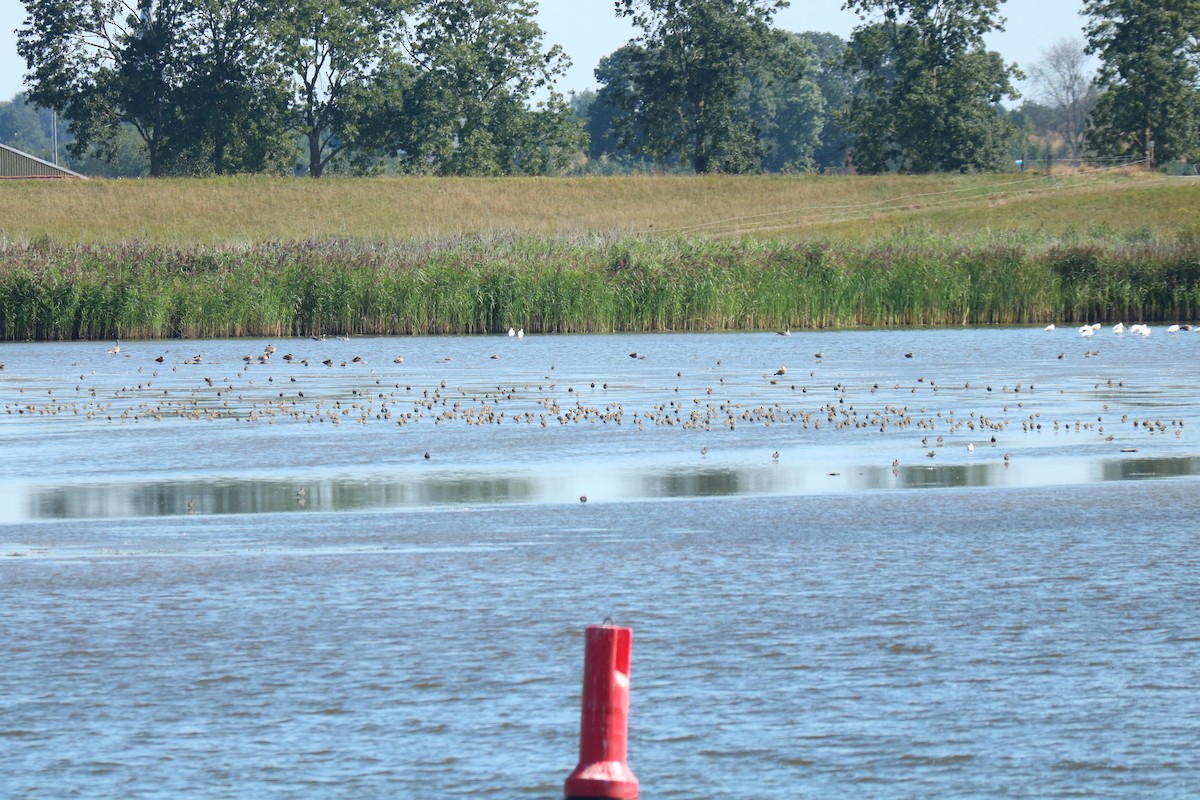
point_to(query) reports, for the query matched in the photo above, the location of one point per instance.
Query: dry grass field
(245, 210)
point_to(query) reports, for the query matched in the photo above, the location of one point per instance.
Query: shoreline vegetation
(485, 285)
(908, 258)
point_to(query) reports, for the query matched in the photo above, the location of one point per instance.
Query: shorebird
(781, 371)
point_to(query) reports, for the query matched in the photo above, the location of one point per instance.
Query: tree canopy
(1149, 54)
(469, 87)
(927, 91)
(214, 85)
(470, 110)
(339, 54)
(688, 70)
(102, 64)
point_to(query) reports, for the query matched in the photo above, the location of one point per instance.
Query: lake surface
(916, 563)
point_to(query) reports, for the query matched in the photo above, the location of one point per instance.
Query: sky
(589, 30)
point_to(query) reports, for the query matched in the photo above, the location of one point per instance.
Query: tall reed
(486, 284)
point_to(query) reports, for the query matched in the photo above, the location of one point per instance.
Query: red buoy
(602, 773)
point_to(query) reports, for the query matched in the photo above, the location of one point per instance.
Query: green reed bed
(485, 285)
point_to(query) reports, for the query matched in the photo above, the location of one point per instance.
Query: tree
(602, 156)
(779, 99)
(836, 85)
(478, 65)
(1148, 74)
(192, 77)
(234, 100)
(685, 78)
(785, 103)
(582, 104)
(1063, 80)
(610, 125)
(102, 63)
(124, 157)
(22, 126)
(927, 91)
(342, 57)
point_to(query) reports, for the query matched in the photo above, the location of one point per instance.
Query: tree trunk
(152, 150)
(315, 167)
(700, 156)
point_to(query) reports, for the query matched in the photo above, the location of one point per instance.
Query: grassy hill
(244, 210)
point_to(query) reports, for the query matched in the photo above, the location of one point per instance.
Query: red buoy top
(604, 722)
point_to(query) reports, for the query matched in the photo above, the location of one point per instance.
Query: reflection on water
(154, 499)
(466, 421)
(131, 499)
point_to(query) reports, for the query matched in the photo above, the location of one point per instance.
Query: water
(244, 599)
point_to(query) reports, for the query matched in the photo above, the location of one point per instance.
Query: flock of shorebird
(251, 393)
